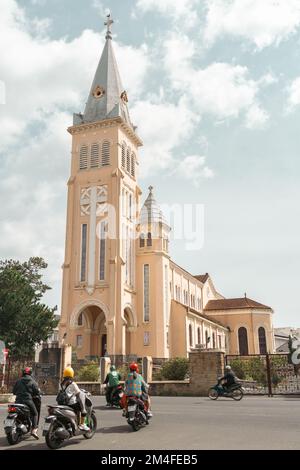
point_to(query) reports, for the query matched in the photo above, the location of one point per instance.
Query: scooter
(61, 423)
(136, 414)
(18, 422)
(236, 391)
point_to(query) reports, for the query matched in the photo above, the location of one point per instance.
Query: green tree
(175, 369)
(24, 319)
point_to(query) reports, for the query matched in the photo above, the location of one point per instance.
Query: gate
(266, 374)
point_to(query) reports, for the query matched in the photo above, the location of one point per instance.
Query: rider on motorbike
(75, 397)
(111, 381)
(136, 386)
(229, 379)
(25, 390)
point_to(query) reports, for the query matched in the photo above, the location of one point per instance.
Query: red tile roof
(228, 304)
(202, 277)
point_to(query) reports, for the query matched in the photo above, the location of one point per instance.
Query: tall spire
(107, 98)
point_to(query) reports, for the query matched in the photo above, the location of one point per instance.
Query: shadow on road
(36, 445)
(106, 408)
(114, 429)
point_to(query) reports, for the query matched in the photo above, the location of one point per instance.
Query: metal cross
(108, 23)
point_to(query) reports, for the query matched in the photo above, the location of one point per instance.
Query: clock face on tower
(98, 92)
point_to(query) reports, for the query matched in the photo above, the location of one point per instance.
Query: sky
(214, 88)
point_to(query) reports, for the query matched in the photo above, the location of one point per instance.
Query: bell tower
(98, 314)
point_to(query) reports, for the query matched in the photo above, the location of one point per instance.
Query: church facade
(122, 294)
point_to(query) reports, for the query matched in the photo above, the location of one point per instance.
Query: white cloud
(193, 168)
(262, 22)
(183, 11)
(293, 94)
(42, 75)
(256, 117)
(163, 127)
(220, 89)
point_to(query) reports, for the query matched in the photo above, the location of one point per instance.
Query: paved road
(191, 423)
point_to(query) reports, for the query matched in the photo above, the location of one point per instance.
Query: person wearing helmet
(111, 381)
(229, 378)
(26, 390)
(75, 397)
(137, 387)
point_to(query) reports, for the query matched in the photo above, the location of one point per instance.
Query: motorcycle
(116, 396)
(18, 422)
(136, 414)
(235, 391)
(61, 423)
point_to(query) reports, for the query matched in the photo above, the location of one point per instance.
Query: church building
(122, 294)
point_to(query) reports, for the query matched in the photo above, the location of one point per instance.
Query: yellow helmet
(69, 372)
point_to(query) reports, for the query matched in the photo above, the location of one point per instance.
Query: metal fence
(266, 374)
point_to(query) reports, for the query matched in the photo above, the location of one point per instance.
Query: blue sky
(214, 87)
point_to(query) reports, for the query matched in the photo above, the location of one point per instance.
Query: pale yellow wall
(251, 320)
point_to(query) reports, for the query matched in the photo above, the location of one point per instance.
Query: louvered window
(95, 156)
(83, 159)
(105, 153)
(128, 161)
(133, 165)
(123, 155)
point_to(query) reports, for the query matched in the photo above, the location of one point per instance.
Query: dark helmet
(27, 371)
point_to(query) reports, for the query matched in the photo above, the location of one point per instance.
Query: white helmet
(228, 367)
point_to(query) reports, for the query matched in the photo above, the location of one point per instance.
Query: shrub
(175, 369)
(88, 373)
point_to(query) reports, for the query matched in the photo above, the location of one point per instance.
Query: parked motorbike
(136, 414)
(235, 391)
(116, 396)
(18, 422)
(62, 423)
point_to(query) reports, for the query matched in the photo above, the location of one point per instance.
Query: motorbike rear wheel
(213, 394)
(237, 394)
(52, 441)
(13, 436)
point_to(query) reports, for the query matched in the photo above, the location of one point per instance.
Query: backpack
(62, 397)
(113, 379)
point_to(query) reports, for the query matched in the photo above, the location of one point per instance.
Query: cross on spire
(108, 24)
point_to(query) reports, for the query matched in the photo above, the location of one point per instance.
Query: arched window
(95, 156)
(123, 155)
(243, 341)
(214, 340)
(105, 153)
(142, 241)
(206, 339)
(80, 320)
(133, 165)
(199, 336)
(191, 335)
(83, 157)
(149, 239)
(128, 160)
(262, 340)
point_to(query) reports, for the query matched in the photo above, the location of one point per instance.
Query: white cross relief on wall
(93, 203)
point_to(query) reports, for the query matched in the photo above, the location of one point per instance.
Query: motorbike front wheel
(237, 394)
(92, 426)
(213, 394)
(52, 441)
